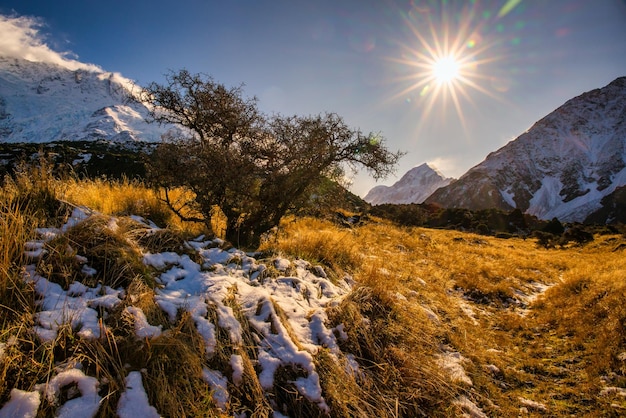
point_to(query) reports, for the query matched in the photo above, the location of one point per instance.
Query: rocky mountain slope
(414, 187)
(42, 102)
(563, 166)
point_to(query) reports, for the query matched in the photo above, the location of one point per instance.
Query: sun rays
(445, 61)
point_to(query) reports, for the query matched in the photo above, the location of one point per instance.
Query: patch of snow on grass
(472, 411)
(161, 260)
(22, 404)
(85, 405)
(536, 289)
(133, 402)
(34, 250)
(452, 363)
(431, 315)
(281, 264)
(142, 328)
(78, 215)
(532, 405)
(226, 320)
(236, 363)
(468, 311)
(58, 308)
(613, 391)
(218, 384)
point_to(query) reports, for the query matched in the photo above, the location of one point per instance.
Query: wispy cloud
(21, 37)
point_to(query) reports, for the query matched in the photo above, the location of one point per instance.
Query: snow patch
(85, 405)
(142, 328)
(452, 363)
(22, 404)
(218, 384)
(133, 402)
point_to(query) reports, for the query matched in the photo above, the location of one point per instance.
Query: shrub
(253, 167)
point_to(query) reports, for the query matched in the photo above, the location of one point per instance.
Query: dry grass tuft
(173, 364)
(247, 397)
(103, 242)
(395, 357)
(317, 241)
(22, 361)
(116, 197)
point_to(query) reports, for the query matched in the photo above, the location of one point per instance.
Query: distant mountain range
(414, 187)
(41, 102)
(567, 165)
(571, 164)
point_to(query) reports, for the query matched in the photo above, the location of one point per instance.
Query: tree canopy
(254, 167)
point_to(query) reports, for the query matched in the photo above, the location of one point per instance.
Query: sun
(445, 69)
(445, 61)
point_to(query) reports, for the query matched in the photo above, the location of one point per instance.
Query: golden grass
(419, 293)
(22, 360)
(126, 197)
(15, 229)
(316, 241)
(433, 289)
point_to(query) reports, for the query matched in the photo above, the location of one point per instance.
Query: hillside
(95, 158)
(135, 319)
(563, 166)
(42, 102)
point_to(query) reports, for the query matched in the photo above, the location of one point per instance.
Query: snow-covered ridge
(43, 102)
(414, 187)
(561, 167)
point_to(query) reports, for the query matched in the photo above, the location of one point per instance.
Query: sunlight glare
(446, 69)
(446, 60)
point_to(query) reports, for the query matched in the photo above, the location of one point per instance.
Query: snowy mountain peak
(561, 167)
(45, 102)
(414, 187)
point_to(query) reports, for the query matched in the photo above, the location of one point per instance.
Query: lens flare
(445, 58)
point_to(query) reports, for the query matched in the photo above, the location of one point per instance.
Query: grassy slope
(487, 298)
(422, 296)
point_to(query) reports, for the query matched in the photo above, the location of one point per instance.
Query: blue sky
(369, 61)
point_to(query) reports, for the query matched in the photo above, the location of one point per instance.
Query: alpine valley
(570, 165)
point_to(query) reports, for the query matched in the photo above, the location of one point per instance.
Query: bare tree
(253, 167)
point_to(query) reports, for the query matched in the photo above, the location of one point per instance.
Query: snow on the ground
(84, 406)
(142, 328)
(452, 363)
(187, 285)
(285, 305)
(218, 383)
(528, 404)
(612, 390)
(532, 293)
(134, 401)
(287, 313)
(77, 306)
(470, 409)
(22, 404)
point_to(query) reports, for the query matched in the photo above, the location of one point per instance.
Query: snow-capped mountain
(44, 102)
(414, 187)
(561, 167)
